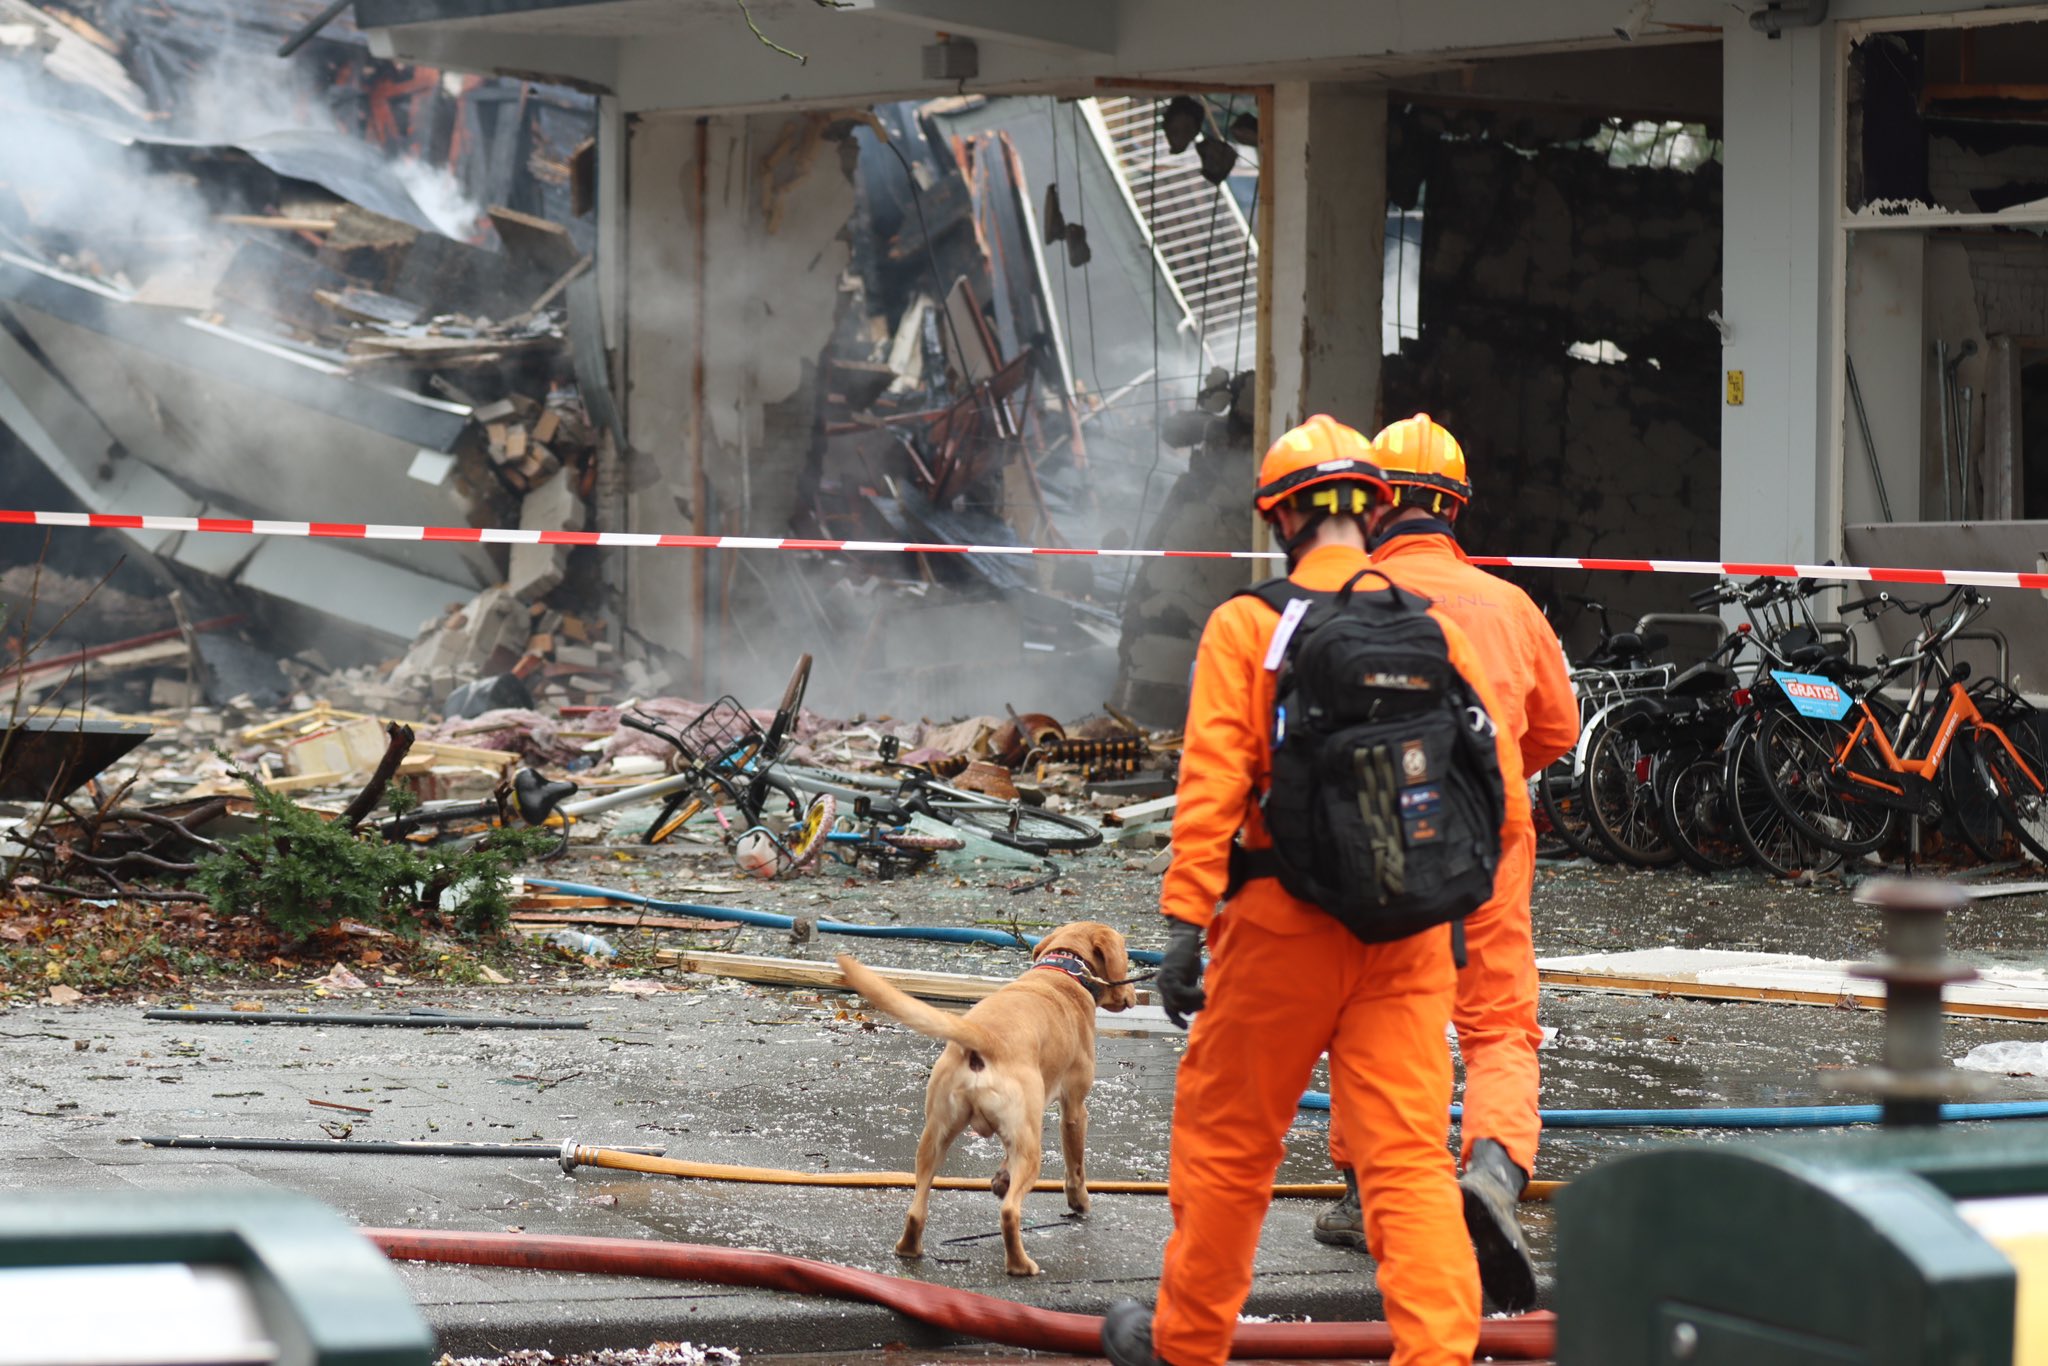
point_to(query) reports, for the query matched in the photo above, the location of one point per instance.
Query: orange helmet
(1424, 463)
(1322, 453)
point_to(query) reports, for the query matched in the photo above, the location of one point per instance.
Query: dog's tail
(927, 1020)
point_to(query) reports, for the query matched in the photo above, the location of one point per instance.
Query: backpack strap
(1277, 593)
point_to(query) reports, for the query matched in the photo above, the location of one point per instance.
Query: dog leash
(1057, 959)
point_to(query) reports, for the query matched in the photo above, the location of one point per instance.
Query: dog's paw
(910, 1251)
(1023, 1267)
(1077, 1204)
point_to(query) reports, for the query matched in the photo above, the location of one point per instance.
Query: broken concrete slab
(552, 505)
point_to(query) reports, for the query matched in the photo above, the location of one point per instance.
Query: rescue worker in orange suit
(1414, 543)
(1288, 982)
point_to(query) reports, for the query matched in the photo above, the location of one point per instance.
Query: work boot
(1343, 1224)
(1127, 1335)
(1492, 1185)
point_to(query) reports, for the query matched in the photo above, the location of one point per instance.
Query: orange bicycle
(1843, 768)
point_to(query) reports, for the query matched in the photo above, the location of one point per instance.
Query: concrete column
(1780, 495)
(1329, 204)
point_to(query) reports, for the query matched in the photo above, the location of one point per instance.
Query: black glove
(1180, 975)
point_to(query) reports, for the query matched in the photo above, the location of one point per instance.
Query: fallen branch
(366, 801)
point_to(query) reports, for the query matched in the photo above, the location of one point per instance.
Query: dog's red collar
(1072, 964)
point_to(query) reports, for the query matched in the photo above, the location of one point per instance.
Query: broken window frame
(1847, 223)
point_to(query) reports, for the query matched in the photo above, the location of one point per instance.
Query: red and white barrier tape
(636, 540)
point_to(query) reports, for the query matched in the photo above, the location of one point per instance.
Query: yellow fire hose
(574, 1156)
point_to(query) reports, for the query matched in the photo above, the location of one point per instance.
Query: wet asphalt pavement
(725, 1072)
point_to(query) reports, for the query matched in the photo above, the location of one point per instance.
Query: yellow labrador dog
(1031, 1042)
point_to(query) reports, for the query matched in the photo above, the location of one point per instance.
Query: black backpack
(1386, 797)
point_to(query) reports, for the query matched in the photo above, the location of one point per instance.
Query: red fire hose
(1528, 1338)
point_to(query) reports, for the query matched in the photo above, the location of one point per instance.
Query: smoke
(87, 200)
(440, 197)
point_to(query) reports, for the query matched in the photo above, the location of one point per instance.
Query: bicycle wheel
(1694, 804)
(1621, 801)
(1797, 756)
(787, 710)
(805, 840)
(1972, 799)
(916, 842)
(1777, 845)
(2017, 782)
(1032, 829)
(1561, 795)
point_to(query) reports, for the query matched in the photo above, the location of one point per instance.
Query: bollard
(1916, 1076)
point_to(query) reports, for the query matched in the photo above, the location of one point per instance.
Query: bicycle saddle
(1701, 679)
(1806, 656)
(537, 797)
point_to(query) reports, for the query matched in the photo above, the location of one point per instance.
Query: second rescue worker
(1289, 980)
(1414, 543)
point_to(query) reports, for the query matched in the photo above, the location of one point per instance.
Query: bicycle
(894, 799)
(1641, 747)
(1837, 773)
(1782, 630)
(723, 758)
(1618, 668)
(895, 850)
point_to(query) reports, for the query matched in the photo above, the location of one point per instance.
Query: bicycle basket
(722, 734)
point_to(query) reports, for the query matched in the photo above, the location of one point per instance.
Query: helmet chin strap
(1303, 534)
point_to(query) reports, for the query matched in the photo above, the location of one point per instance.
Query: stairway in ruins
(1199, 233)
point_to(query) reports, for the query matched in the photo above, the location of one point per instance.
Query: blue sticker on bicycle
(1810, 695)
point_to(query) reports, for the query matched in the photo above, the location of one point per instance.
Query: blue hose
(941, 934)
(1743, 1117)
(1735, 1117)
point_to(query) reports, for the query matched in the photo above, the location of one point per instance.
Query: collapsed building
(1055, 281)
(334, 288)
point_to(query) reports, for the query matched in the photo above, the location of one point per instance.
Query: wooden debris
(274, 222)
(1142, 813)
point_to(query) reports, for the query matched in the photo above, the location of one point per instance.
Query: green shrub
(302, 872)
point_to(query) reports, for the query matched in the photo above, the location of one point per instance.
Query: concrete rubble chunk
(552, 505)
(492, 626)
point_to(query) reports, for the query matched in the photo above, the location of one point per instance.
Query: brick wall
(2011, 276)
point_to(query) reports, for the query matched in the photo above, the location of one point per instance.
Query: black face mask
(1413, 526)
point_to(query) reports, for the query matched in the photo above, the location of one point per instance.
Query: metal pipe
(2004, 650)
(1884, 501)
(1948, 507)
(399, 1148)
(312, 27)
(700, 495)
(1952, 415)
(416, 1020)
(1963, 444)
(1773, 19)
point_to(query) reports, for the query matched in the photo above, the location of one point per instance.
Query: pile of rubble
(352, 290)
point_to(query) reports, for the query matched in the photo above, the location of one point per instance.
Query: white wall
(1779, 207)
(1329, 197)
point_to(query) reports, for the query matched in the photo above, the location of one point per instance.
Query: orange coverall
(1287, 982)
(1539, 715)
